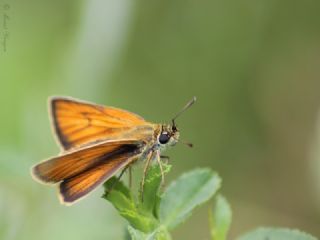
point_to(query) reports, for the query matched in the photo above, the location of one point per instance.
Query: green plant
(220, 220)
(161, 211)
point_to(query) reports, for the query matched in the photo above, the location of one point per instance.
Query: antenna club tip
(188, 144)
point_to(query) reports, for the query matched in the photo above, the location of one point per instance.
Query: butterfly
(97, 142)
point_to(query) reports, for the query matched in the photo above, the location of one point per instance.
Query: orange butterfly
(97, 142)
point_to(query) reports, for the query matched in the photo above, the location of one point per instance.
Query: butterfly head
(169, 135)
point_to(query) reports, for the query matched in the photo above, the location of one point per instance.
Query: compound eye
(164, 138)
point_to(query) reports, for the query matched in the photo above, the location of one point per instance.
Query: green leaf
(136, 234)
(151, 187)
(276, 234)
(220, 219)
(139, 221)
(183, 195)
(120, 201)
(113, 184)
(121, 198)
(156, 206)
(159, 234)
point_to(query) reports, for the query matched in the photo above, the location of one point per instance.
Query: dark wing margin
(61, 137)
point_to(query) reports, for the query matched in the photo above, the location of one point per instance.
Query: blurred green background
(253, 65)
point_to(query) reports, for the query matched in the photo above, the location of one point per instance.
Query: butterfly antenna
(188, 105)
(188, 144)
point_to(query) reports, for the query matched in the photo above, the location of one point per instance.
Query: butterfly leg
(145, 169)
(116, 181)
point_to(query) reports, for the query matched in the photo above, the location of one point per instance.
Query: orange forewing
(78, 123)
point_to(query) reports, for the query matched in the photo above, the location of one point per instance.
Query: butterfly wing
(78, 123)
(76, 162)
(79, 172)
(76, 187)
